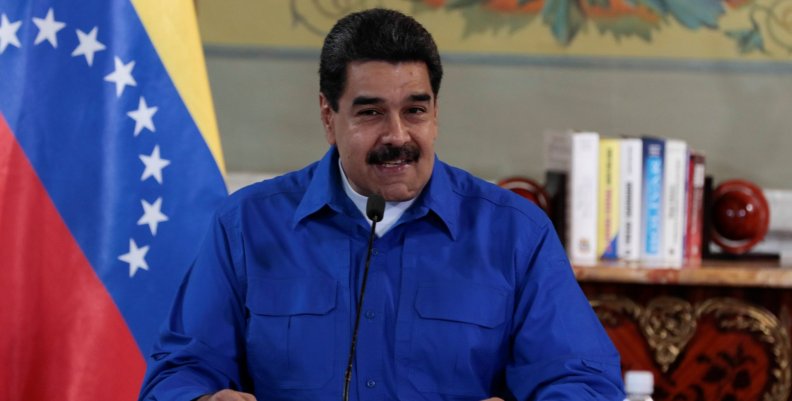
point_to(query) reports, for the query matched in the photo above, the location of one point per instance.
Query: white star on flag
(48, 29)
(152, 215)
(136, 257)
(142, 116)
(88, 45)
(154, 165)
(8, 32)
(122, 76)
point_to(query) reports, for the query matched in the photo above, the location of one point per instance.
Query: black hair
(375, 35)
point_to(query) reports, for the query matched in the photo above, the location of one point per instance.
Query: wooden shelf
(729, 273)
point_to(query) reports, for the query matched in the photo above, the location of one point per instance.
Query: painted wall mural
(679, 29)
(625, 18)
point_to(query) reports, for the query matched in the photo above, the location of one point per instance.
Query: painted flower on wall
(618, 17)
(767, 28)
(770, 20)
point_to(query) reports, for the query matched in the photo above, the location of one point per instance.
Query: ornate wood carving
(740, 350)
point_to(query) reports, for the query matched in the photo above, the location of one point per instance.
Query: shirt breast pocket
(459, 338)
(291, 331)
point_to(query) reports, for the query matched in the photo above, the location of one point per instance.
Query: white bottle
(639, 385)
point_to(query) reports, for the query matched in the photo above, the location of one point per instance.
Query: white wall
(493, 111)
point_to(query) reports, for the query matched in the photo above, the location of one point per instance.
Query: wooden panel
(701, 343)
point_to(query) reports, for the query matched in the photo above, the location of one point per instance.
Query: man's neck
(393, 210)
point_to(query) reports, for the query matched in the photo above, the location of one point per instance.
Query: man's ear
(327, 115)
(436, 121)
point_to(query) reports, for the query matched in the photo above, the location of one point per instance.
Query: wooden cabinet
(720, 332)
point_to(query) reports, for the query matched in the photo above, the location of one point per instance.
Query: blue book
(652, 211)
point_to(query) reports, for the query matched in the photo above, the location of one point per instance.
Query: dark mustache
(408, 152)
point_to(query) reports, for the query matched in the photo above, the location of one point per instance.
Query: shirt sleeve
(560, 349)
(200, 345)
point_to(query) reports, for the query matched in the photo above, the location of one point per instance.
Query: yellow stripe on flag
(173, 28)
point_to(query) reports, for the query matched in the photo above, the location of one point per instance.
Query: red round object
(740, 216)
(528, 189)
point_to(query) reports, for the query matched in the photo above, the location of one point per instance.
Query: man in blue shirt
(470, 295)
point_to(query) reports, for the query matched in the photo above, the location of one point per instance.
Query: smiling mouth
(395, 163)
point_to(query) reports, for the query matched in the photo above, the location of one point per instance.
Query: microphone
(375, 209)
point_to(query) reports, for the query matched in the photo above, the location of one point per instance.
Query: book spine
(583, 194)
(695, 206)
(651, 216)
(629, 247)
(558, 154)
(674, 186)
(608, 214)
(556, 187)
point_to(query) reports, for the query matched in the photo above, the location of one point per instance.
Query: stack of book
(632, 199)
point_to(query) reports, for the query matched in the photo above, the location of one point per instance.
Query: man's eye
(368, 112)
(416, 110)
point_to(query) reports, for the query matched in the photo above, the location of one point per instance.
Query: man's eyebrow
(421, 97)
(365, 100)
(368, 100)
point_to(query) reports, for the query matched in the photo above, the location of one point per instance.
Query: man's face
(385, 128)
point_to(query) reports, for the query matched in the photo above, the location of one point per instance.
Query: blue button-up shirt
(470, 295)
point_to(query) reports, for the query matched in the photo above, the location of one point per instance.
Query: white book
(674, 194)
(631, 180)
(583, 192)
(577, 155)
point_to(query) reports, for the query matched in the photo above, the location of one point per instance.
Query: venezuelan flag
(110, 167)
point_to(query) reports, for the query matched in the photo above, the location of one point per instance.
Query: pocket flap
(286, 297)
(463, 302)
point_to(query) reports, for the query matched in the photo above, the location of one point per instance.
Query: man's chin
(398, 193)
(399, 198)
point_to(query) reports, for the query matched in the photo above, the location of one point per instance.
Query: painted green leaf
(627, 26)
(657, 6)
(564, 19)
(599, 3)
(481, 21)
(748, 40)
(462, 3)
(694, 14)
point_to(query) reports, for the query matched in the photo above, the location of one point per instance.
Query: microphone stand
(375, 209)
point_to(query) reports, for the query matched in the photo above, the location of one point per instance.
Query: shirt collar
(439, 198)
(325, 189)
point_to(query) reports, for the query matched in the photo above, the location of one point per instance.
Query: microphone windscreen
(375, 208)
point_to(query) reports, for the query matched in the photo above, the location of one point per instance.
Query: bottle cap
(638, 382)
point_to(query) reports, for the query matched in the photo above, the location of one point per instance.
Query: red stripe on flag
(61, 335)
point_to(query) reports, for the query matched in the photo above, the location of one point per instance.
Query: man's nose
(396, 132)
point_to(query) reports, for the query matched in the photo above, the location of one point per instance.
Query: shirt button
(374, 251)
(370, 315)
(370, 383)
